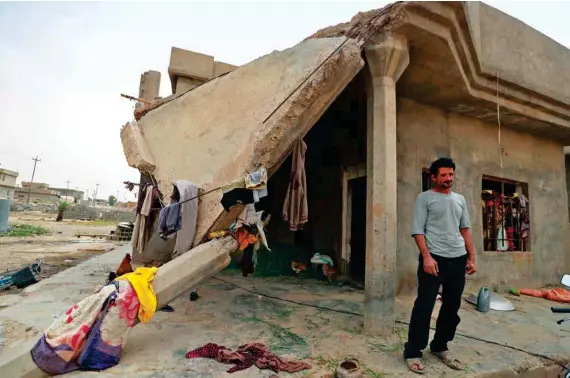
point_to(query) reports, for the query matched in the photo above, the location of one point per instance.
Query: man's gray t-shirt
(439, 217)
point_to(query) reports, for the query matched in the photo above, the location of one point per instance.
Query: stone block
(149, 85)
(190, 64)
(184, 84)
(221, 68)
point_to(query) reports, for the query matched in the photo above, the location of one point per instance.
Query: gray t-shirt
(439, 217)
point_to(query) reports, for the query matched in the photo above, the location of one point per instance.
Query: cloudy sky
(64, 65)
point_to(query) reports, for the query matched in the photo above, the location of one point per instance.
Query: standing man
(441, 231)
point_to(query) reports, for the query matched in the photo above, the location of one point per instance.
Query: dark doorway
(358, 229)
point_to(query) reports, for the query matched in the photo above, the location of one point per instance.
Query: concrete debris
(364, 24)
(191, 138)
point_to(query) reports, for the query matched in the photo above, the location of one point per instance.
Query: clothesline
(192, 198)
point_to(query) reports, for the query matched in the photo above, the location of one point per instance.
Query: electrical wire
(562, 364)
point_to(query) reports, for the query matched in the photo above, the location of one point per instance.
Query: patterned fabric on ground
(246, 356)
(90, 335)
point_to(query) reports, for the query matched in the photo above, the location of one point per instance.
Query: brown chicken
(298, 267)
(329, 272)
(125, 266)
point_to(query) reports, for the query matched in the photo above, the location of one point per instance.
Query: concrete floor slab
(325, 328)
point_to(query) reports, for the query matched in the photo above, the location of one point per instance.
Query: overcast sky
(64, 65)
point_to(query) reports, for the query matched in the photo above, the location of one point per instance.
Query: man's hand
(470, 268)
(430, 266)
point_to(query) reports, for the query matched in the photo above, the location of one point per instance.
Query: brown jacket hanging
(295, 208)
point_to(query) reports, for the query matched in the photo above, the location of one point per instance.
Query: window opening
(506, 215)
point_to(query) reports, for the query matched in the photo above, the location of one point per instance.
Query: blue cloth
(169, 220)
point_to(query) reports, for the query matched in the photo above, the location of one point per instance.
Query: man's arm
(422, 245)
(466, 234)
(418, 232)
(419, 221)
(464, 229)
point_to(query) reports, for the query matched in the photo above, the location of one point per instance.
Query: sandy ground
(58, 250)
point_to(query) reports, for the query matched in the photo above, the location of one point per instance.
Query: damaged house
(375, 100)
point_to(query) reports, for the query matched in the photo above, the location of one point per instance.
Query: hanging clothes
(295, 208)
(237, 196)
(244, 237)
(502, 242)
(140, 233)
(141, 281)
(256, 180)
(188, 216)
(169, 220)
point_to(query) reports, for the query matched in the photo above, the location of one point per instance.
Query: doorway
(358, 229)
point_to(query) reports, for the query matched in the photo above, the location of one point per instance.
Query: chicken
(329, 271)
(298, 267)
(125, 266)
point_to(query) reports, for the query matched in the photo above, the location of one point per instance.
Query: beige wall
(7, 180)
(7, 183)
(425, 133)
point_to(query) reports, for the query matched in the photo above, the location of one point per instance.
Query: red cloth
(557, 295)
(246, 356)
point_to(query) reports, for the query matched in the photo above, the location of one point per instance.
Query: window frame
(523, 243)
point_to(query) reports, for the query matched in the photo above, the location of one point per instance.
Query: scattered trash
(349, 368)
(28, 275)
(6, 282)
(68, 261)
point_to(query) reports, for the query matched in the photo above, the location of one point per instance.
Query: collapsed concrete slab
(171, 281)
(230, 126)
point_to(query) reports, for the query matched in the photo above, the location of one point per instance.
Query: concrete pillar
(149, 86)
(387, 60)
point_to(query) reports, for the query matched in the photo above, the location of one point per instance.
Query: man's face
(444, 178)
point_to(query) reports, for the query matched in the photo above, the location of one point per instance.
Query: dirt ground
(58, 250)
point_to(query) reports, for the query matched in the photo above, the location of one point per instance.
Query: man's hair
(441, 163)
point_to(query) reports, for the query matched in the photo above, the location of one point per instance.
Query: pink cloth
(296, 208)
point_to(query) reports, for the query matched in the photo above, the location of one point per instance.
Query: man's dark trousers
(451, 277)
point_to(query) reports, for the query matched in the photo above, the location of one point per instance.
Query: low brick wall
(80, 212)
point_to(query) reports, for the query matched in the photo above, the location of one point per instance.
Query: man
(441, 231)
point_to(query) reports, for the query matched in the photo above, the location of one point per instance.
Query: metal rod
(133, 98)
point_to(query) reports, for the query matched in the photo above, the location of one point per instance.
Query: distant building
(101, 202)
(64, 192)
(38, 192)
(7, 183)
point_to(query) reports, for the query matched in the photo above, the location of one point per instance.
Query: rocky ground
(59, 248)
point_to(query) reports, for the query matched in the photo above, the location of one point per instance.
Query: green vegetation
(112, 200)
(23, 230)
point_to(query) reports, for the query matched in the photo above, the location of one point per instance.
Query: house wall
(426, 133)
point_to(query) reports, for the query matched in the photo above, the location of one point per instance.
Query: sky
(64, 65)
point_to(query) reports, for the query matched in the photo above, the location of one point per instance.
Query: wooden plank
(226, 219)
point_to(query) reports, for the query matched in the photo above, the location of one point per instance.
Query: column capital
(387, 56)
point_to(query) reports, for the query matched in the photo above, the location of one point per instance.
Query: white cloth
(189, 214)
